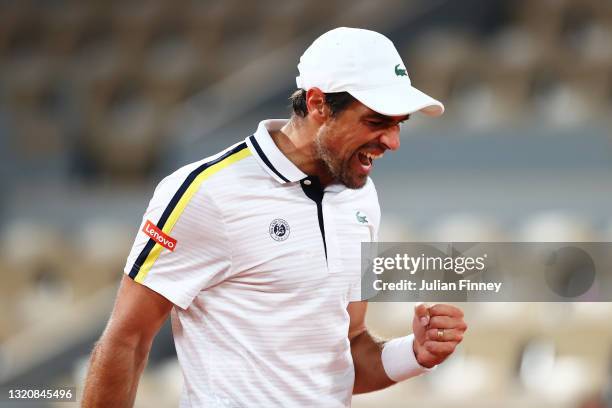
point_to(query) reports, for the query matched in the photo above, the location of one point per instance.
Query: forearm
(367, 358)
(114, 372)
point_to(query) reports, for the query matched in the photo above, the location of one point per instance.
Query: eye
(374, 123)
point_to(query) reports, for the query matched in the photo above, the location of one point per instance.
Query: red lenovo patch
(159, 236)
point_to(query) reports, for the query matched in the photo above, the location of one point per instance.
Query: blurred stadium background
(100, 99)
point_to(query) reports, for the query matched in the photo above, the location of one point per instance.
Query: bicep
(138, 314)
(357, 313)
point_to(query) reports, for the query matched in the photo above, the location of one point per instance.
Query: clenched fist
(437, 331)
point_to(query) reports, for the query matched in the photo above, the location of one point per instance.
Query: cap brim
(399, 100)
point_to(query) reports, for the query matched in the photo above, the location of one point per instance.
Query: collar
(269, 156)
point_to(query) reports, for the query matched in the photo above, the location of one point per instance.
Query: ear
(315, 102)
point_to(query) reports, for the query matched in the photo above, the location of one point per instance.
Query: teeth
(373, 156)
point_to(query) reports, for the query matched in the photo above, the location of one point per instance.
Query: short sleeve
(181, 247)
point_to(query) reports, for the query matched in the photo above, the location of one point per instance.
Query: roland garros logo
(159, 236)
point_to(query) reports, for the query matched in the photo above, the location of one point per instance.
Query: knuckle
(441, 310)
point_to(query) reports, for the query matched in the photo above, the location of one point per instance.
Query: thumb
(421, 311)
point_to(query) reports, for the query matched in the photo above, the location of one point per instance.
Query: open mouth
(366, 160)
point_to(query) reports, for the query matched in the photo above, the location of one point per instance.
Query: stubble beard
(337, 169)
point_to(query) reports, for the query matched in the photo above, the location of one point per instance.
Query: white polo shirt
(261, 265)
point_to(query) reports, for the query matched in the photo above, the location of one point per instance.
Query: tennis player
(255, 252)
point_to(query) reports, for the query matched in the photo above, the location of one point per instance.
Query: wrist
(399, 359)
(418, 350)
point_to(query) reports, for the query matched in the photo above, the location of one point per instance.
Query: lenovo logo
(159, 236)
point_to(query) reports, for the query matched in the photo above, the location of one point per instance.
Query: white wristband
(399, 361)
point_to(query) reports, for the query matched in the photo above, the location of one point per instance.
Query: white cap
(365, 64)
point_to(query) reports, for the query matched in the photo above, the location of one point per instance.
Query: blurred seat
(543, 371)
(558, 103)
(543, 18)
(63, 23)
(12, 13)
(225, 30)
(122, 132)
(477, 103)
(38, 108)
(96, 54)
(101, 247)
(38, 138)
(466, 228)
(397, 229)
(464, 376)
(167, 375)
(590, 313)
(281, 22)
(512, 54)
(204, 22)
(171, 65)
(588, 39)
(135, 21)
(595, 11)
(20, 29)
(27, 78)
(38, 258)
(437, 56)
(586, 60)
(9, 322)
(557, 227)
(314, 13)
(24, 245)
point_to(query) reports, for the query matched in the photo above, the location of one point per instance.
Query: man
(255, 252)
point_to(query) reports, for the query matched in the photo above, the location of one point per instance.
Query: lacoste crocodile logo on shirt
(361, 217)
(400, 71)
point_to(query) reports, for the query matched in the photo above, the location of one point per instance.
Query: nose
(390, 138)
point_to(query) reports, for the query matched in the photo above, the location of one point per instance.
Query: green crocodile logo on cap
(400, 71)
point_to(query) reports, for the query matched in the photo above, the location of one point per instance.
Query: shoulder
(372, 197)
(370, 189)
(194, 174)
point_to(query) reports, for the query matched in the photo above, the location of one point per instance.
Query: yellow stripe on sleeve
(182, 204)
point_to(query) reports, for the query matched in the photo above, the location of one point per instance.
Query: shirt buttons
(307, 182)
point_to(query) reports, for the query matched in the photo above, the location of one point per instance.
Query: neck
(297, 142)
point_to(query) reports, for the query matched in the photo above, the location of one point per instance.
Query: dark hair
(337, 102)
